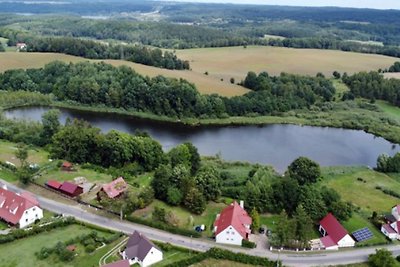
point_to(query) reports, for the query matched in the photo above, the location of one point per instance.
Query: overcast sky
(379, 4)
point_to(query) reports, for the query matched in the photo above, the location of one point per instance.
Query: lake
(277, 145)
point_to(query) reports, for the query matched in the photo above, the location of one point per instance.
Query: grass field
(389, 109)
(237, 61)
(205, 84)
(360, 193)
(7, 153)
(20, 253)
(220, 263)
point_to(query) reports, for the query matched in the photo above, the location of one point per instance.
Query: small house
(140, 250)
(396, 212)
(53, 184)
(21, 46)
(71, 189)
(334, 234)
(390, 231)
(114, 189)
(232, 225)
(67, 166)
(20, 210)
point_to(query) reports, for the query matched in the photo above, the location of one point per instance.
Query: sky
(378, 4)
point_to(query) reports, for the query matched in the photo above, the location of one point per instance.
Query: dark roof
(390, 218)
(138, 246)
(334, 229)
(121, 263)
(69, 187)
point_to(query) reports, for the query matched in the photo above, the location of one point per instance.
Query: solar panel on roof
(362, 234)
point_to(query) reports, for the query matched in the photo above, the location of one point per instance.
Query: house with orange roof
(232, 225)
(114, 189)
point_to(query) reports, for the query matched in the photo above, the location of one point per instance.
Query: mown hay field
(235, 62)
(205, 84)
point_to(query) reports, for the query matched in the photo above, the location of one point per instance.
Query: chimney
(241, 204)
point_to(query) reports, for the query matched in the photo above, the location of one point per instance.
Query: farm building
(121, 263)
(232, 225)
(67, 166)
(396, 212)
(114, 189)
(21, 46)
(71, 189)
(140, 250)
(53, 184)
(334, 234)
(19, 209)
(391, 230)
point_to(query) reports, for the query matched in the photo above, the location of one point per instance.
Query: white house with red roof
(19, 209)
(334, 234)
(232, 225)
(396, 212)
(392, 228)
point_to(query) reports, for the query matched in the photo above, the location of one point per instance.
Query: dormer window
(2, 203)
(13, 211)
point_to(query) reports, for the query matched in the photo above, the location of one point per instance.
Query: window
(34, 209)
(26, 220)
(227, 232)
(233, 233)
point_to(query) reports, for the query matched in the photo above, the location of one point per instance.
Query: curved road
(346, 256)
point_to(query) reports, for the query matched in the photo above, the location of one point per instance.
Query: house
(67, 166)
(21, 46)
(53, 184)
(70, 189)
(232, 225)
(334, 234)
(391, 230)
(19, 209)
(121, 263)
(141, 250)
(115, 188)
(396, 212)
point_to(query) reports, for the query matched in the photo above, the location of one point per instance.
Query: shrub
(90, 248)
(248, 244)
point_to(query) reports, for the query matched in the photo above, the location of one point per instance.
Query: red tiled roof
(121, 263)
(69, 187)
(327, 241)
(334, 229)
(13, 201)
(53, 184)
(115, 188)
(234, 216)
(30, 197)
(389, 229)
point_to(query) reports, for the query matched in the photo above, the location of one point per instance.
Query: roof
(53, 184)
(14, 202)
(334, 229)
(30, 197)
(390, 218)
(138, 246)
(71, 247)
(233, 215)
(69, 187)
(121, 263)
(66, 164)
(389, 229)
(115, 188)
(327, 241)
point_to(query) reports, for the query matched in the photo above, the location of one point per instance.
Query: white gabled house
(334, 234)
(19, 209)
(141, 250)
(396, 212)
(391, 230)
(232, 225)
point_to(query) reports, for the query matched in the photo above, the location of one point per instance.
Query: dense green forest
(373, 85)
(103, 84)
(223, 29)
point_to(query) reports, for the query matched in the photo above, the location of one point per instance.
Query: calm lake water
(277, 145)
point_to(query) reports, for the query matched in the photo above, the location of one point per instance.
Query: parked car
(200, 228)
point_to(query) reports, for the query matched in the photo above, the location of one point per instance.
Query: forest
(121, 87)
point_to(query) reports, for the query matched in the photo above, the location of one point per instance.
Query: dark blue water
(277, 145)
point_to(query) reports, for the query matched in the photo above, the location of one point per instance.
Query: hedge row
(21, 233)
(165, 227)
(248, 244)
(221, 254)
(168, 247)
(388, 192)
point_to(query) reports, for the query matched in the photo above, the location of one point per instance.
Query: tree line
(373, 85)
(97, 50)
(121, 87)
(388, 164)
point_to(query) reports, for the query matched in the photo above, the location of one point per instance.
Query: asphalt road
(344, 256)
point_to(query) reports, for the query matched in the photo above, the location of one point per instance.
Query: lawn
(20, 253)
(205, 84)
(363, 193)
(340, 87)
(270, 221)
(389, 109)
(220, 263)
(8, 175)
(171, 257)
(186, 219)
(356, 222)
(227, 62)
(7, 153)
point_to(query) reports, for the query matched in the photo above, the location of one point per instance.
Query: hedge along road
(299, 259)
